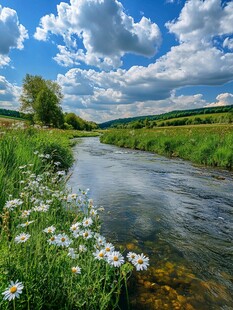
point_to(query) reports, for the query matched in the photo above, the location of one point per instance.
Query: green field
(52, 254)
(210, 145)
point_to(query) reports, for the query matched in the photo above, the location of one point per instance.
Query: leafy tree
(42, 98)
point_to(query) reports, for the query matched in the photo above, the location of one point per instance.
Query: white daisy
(63, 240)
(99, 254)
(86, 234)
(87, 222)
(115, 259)
(52, 240)
(72, 253)
(141, 262)
(22, 238)
(13, 291)
(109, 247)
(131, 256)
(75, 227)
(12, 204)
(26, 223)
(76, 270)
(50, 229)
(82, 248)
(25, 213)
(101, 240)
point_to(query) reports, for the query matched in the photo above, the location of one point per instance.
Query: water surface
(178, 214)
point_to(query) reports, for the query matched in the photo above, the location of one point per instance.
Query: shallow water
(178, 214)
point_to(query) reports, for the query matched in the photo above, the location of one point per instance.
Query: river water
(178, 214)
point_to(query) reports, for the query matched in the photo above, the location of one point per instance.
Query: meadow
(210, 145)
(52, 255)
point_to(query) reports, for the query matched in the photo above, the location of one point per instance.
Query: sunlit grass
(210, 145)
(52, 255)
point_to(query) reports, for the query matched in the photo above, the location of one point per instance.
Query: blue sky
(116, 59)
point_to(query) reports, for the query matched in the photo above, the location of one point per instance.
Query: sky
(116, 59)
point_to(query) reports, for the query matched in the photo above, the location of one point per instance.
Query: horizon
(131, 59)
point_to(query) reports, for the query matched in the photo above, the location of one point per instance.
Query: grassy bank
(210, 145)
(52, 255)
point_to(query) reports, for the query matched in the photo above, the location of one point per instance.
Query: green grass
(33, 165)
(210, 145)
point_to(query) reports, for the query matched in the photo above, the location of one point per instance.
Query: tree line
(41, 104)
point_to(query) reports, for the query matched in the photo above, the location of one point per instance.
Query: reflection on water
(178, 214)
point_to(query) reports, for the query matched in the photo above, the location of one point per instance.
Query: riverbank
(52, 255)
(209, 145)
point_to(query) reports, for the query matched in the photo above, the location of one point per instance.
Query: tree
(42, 98)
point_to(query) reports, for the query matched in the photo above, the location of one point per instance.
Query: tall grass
(210, 145)
(50, 238)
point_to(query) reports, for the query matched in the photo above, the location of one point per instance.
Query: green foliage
(30, 173)
(41, 98)
(151, 121)
(210, 145)
(75, 122)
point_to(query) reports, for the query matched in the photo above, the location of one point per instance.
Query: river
(178, 214)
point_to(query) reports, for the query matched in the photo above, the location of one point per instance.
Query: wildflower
(101, 240)
(71, 197)
(26, 223)
(109, 247)
(82, 248)
(63, 240)
(86, 234)
(22, 167)
(50, 229)
(61, 172)
(93, 212)
(76, 270)
(57, 163)
(72, 253)
(115, 259)
(13, 291)
(47, 156)
(22, 238)
(12, 204)
(87, 222)
(131, 256)
(52, 240)
(140, 262)
(36, 152)
(25, 213)
(99, 254)
(74, 228)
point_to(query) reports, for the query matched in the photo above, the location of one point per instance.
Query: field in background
(210, 145)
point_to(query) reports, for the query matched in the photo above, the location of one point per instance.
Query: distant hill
(10, 113)
(122, 122)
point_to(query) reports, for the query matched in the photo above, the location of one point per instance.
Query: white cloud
(12, 34)
(98, 33)
(222, 100)
(228, 43)
(201, 21)
(9, 94)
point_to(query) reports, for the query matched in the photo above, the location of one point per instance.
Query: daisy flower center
(52, 238)
(13, 289)
(63, 239)
(140, 261)
(22, 238)
(49, 230)
(115, 258)
(86, 222)
(101, 255)
(73, 269)
(107, 249)
(86, 234)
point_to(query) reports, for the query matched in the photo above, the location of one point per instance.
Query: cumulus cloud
(12, 33)
(9, 94)
(98, 33)
(222, 100)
